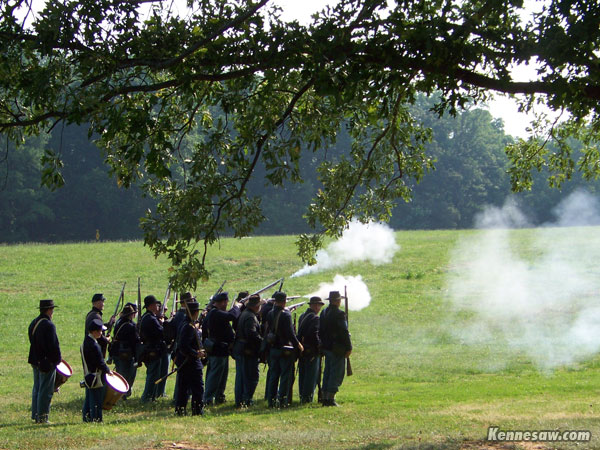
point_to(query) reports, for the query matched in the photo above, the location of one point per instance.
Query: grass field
(415, 385)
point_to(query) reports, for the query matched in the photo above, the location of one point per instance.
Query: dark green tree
(145, 81)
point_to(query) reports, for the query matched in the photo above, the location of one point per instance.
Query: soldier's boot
(42, 418)
(198, 409)
(332, 400)
(180, 411)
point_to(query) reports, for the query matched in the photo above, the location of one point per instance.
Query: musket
(348, 365)
(139, 305)
(174, 304)
(219, 290)
(260, 291)
(281, 285)
(119, 301)
(294, 307)
(164, 303)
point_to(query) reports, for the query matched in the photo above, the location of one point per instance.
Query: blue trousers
(164, 369)
(334, 371)
(308, 373)
(127, 368)
(246, 378)
(282, 375)
(154, 369)
(92, 405)
(216, 378)
(41, 395)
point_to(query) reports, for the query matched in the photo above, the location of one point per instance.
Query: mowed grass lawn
(414, 385)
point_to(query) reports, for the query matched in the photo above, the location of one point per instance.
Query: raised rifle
(164, 303)
(139, 305)
(219, 290)
(295, 306)
(174, 304)
(111, 322)
(281, 285)
(260, 291)
(348, 365)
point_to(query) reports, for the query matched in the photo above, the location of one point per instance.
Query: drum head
(117, 382)
(64, 368)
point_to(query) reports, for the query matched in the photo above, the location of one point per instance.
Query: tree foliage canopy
(188, 104)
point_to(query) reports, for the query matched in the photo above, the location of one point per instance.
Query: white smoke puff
(545, 304)
(372, 242)
(579, 209)
(358, 292)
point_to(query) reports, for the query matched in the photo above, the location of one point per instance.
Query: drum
(116, 386)
(63, 373)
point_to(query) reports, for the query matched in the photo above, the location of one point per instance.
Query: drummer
(44, 356)
(95, 370)
(125, 341)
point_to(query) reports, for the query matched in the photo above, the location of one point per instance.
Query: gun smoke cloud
(535, 291)
(372, 242)
(358, 292)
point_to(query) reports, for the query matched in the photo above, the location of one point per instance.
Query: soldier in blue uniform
(218, 330)
(188, 359)
(96, 313)
(44, 356)
(336, 344)
(95, 370)
(176, 322)
(124, 343)
(284, 347)
(245, 351)
(308, 335)
(155, 350)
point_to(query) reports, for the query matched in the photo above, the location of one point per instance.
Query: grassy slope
(414, 386)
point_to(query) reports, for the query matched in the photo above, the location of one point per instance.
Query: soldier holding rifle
(44, 356)
(284, 347)
(154, 354)
(188, 359)
(218, 343)
(245, 352)
(336, 344)
(96, 313)
(308, 365)
(125, 341)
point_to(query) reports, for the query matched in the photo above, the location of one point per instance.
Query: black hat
(98, 297)
(47, 304)
(129, 308)
(193, 306)
(95, 325)
(241, 296)
(279, 296)
(150, 300)
(221, 297)
(186, 297)
(254, 300)
(334, 295)
(315, 301)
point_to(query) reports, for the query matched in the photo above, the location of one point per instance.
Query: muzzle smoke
(372, 242)
(358, 292)
(538, 296)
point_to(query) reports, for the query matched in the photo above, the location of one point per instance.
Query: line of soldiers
(253, 330)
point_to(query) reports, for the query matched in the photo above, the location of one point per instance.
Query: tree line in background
(470, 173)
